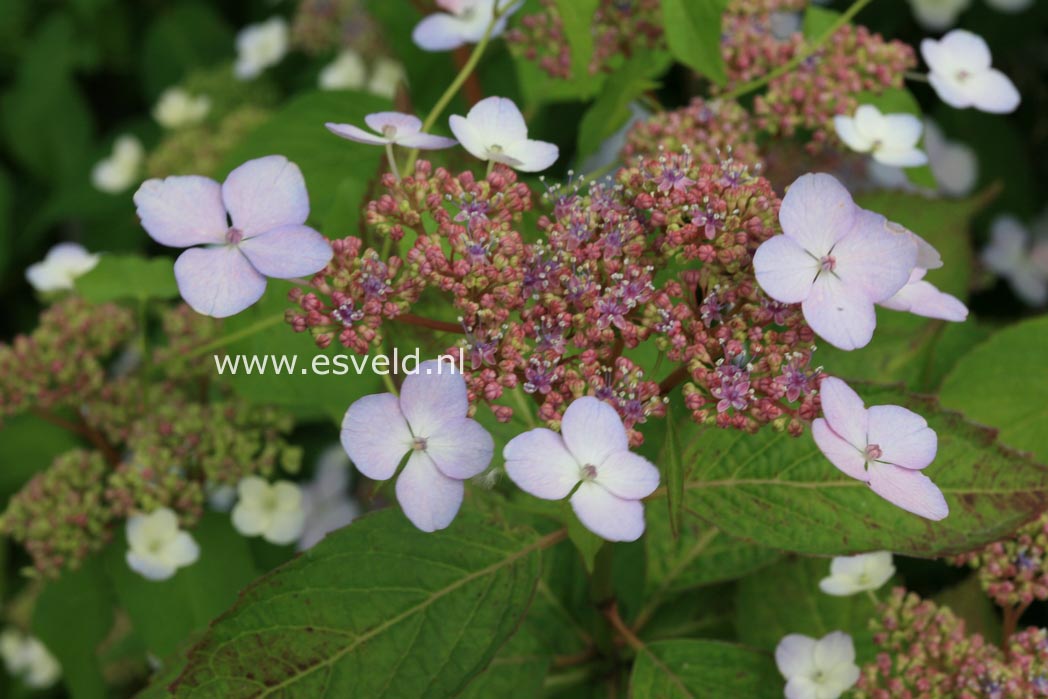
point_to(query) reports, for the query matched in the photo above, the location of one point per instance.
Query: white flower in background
(27, 658)
(850, 575)
(817, 669)
(937, 15)
(464, 22)
(325, 499)
(347, 72)
(121, 169)
(963, 76)
(62, 264)
(221, 498)
(890, 138)
(385, 77)
(1009, 255)
(494, 130)
(954, 164)
(272, 511)
(176, 108)
(260, 46)
(157, 548)
(1010, 6)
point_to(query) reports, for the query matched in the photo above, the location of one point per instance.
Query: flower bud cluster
(321, 26)
(711, 130)
(1014, 572)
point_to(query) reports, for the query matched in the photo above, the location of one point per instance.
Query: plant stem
(670, 382)
(807, 50)
(392, 161)
(611, 613)
(916, 77)
(443, 326)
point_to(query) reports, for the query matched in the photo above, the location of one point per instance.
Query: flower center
(963, 76)
(389, 131)
(495, 149)
(828, 263)
(588, 472)
(873, 452)
(234, 236)
(418, 444)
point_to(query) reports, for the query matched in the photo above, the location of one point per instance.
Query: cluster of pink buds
(711, 130)
(1014, 572)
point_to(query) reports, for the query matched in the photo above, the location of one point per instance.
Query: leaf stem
(392, 160)
(611, 613)
(805, 52)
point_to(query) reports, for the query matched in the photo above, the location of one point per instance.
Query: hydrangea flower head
(392, 128)
(463, 22)
(427, 423)
(267, 202)
(850, 575)
(890, 138)
(835, 259)
(157, 548)
(260, 46)
(122, 168)
(817, 669)
(177, 108)
(60, 267)
(591, 461)
(963, 76)
(494, 130)
(270, 510)
(26, 657)
(885, 446)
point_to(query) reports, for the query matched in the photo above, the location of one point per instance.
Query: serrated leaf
(1002, 383)
(377, 610)
(693, 32)
(785, 598)
(117, 277)
(780, 491)
(689, 669)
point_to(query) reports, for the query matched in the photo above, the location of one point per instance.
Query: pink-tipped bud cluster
(1014, 572)
(710, 129)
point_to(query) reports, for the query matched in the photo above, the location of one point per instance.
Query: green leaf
(378, 610)
(297, 132)
(517, 672)
(693, 32)
(577, 18)
(29, 444)
(781, 492)
(186, 36)
(118, 277)
(611, 110)
(1002, 383)
(587, 543)
(194, 596)
(674, 471)
(72, 616)
(817, 21)
(688, 669)
(786, 598)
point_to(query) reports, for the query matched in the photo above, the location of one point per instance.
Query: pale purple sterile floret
(392, 128)
(248, 228)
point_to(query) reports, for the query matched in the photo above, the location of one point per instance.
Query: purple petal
(264, 194)
(182, 211)
(429, 498)
(911, 490)
(628, 475)
(375, 435)
(461, 449)
(355, 133)
(875, 257)
(923, 299)
(593, 431)
(784, 270)
(532, 156)
(817, 211)
(609, 517)
(540, 464)
(840, 453)
(439, 32)
(404, 123)
(844, 411)
(840, 314)
(288, 251)
(218, 282)
(425, 141)
(433, 396)
(902, 435)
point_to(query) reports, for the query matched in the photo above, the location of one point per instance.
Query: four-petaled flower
(885, 446)
(273, 511)
(395, 129)
(464, 22)
(494, 130)
(817, 669)
(61, 266)
(28, 658)
(428, 424)
(850, 575)
(591, 461)
(268, 204)
(157, 548)
(963, 76)
(835, 259)
(890, 138)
